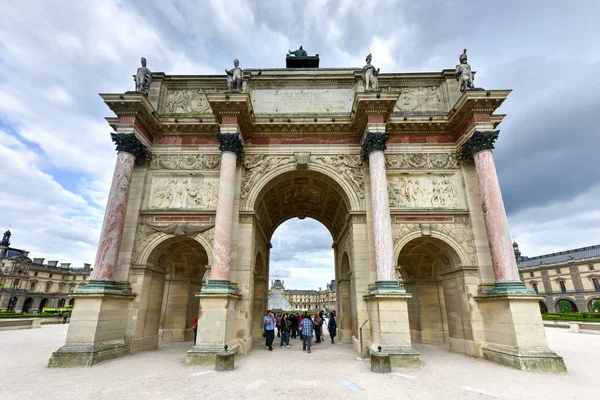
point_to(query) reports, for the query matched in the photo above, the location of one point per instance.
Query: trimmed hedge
(580, 317)
(19, 315)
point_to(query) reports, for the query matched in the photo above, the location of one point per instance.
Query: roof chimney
(38, 261)
(52, 263)
(86, 266)
(65, 265)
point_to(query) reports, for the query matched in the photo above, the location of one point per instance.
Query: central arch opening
(303, 215)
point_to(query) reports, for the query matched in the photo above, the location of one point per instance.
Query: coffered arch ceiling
(179, 257)
(303, 194)
(425, 258)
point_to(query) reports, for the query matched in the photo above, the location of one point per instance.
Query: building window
(558, 271)
(48, 286)
(531, 274)
(74, 277)
(50, 276)
(35, 273)
(592, 268)
(84, 277)
(563, 287)
(16, 283)
(596, 284)
(535, 287)
(32, 286)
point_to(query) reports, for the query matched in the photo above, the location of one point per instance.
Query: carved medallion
(186, 102)
(420, 99)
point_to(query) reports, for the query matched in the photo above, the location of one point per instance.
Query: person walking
(300, 319)
(332, 326)
(293, 325)
(195, 329)
(318, 323)
(278, 324)
(284, 327)
(306, 327)
(269, 322)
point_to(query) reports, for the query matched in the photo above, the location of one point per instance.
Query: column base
(514, 333)
(216, 324)
(97, 330)
(73, 355)
(222, 286)
(101, 287)
(388, 320)
(547, 361)
(387, 287)
(510, 287)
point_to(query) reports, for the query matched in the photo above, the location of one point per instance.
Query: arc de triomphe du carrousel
(397, 166)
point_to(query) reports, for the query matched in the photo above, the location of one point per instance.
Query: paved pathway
(329, 372)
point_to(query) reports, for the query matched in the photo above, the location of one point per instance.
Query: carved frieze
(256, 166)
(187, 102)
(438, 191)
(420, 99)
(421, 161)
(349, 166)
(183, 193)
(461, 233)
(186, 161)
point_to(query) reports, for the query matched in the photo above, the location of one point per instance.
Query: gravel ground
(329, 372)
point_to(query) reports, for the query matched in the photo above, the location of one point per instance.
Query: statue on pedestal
(143, 78)
(464, 74)
(298, 53)
(370, 76)
(235, 77)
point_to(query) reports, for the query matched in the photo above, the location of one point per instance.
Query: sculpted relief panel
(184, 192)
(186, 161)
(421, 161)
(296, 101)
(418, 191)
(349, 166)
(187, 101)
(420, 99)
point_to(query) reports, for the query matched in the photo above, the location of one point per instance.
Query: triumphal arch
(397, 166)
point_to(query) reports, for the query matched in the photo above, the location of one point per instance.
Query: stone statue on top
(464, 74)
(298, 53)
(369, 75)
(143, 78)
(235, 77)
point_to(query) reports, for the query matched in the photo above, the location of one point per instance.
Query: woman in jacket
(284, 327)
(332, 326)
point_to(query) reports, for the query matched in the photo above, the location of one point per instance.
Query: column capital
(230, 142)
(479, 141)
(375, 141)
(129, 143)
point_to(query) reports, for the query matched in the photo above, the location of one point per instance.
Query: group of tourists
(299, 325)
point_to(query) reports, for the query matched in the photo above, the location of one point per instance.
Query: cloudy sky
(56, 157)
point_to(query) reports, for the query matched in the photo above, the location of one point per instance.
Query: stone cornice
(453, 125)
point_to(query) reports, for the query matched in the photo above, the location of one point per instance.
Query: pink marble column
(374, 144)
(480, 146)
(496, 223)
(231, 146)
(224, 219)
(114, 219)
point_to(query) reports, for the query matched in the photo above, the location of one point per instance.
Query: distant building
(568, 280)
(304, 300)
(29, 285)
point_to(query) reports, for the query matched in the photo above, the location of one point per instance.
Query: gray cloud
(545, 155)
